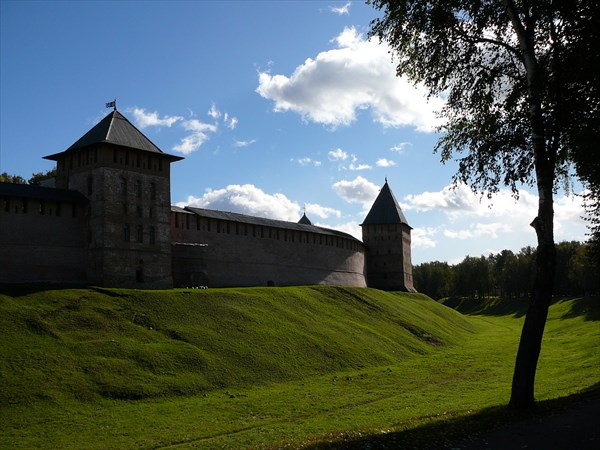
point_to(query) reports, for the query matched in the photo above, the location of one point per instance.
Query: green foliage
(492, 72)
(435, 279)
(38, 177)
(5, 177)
(514, 111)
(509, 275)
(265, 368)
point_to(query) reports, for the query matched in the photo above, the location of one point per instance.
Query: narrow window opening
(126, 233)
(139, 272)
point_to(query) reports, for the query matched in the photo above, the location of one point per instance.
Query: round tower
(386, 235)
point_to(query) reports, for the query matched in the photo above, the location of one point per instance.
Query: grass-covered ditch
(265, 367)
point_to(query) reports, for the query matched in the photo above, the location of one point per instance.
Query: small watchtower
(386, 235)
(126, 179)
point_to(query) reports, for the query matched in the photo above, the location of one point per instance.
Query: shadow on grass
(490, 306)
(20, 290)
(588, 307)
(444, 431)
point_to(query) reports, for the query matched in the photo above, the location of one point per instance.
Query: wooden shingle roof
(41, 193)
(305, 220)
(253, 220)
(385, 209)
(116, 129)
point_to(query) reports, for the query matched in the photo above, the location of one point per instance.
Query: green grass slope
(86, 344)
(268, 368)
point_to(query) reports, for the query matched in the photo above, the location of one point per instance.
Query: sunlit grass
(262, 368)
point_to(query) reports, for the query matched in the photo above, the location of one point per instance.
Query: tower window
(123, 186)
(140, 234)
(153, 191)
(152, 235)
(126, 233)
(139, 272)
(138, 189)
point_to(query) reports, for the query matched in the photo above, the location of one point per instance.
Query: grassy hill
(257, 367)
(136, 344)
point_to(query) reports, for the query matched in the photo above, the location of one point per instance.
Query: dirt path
(577, 428)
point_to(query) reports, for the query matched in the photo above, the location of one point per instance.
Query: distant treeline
(507, 274)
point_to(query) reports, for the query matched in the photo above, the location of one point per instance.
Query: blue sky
(277, 106)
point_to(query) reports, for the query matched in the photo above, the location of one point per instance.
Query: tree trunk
(522, 395)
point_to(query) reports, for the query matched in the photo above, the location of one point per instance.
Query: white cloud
(357, 75)
(383, 162)
(247, 199)
(460, 199)
(232, 123)
(423, 237)
(214, 112)
(341, 10)
(355, 167)
(352, 228)
(198, 136)
(338, 155)
(322, 211)
(144, 119)
(501, 217)
(307, 161)
(568, 218)
(479, 230)
(237, 143)
(401, 147)
(359, 190)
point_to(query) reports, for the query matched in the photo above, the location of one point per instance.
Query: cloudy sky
(276, 106)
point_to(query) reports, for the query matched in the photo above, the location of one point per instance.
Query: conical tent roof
(385, 209)
(305, 220)
(116, 129)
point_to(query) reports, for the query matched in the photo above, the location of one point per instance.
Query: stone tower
(127, 181)
(386, 235)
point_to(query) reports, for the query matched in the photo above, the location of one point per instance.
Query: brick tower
(386, 235)
(127, 181)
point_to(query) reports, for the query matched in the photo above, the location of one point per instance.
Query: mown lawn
(264, 368)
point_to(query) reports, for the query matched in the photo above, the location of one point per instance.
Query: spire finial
(386, 179)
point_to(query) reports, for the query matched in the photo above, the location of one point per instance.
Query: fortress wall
(239, 254)
(42, 243)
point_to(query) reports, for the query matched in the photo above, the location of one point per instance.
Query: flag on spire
(112, 104)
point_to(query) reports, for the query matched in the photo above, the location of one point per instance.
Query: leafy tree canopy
(470, 53)
(36, 178)
(518, 109)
